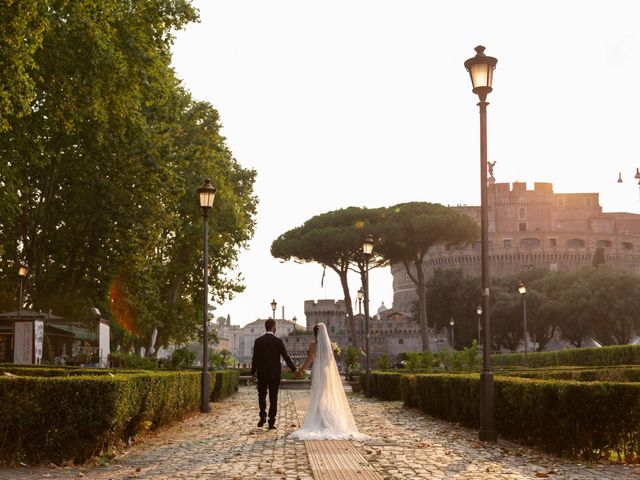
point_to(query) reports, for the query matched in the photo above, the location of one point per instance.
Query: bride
(329, 415)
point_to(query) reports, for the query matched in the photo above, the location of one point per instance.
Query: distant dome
(382, 308)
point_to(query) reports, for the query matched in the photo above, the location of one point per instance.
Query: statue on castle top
(491, 165)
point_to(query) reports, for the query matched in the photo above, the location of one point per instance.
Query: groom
(267, 350)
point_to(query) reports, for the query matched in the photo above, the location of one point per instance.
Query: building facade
(391, 331)
(534, 228)
(247, 335)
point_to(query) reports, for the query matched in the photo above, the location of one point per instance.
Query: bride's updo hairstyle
(315, 332)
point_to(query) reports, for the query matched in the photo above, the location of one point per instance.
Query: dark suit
(267, 351)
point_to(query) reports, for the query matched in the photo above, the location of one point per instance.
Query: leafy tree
(409, 230)
(615, 301)
(182, 359)
(351, 360)
(220, 359)
(469, 355)
(413, 361)
(384, 361)
(22, 23)
(334, 240)
(100, 173)
(452, 295)
(577, 318)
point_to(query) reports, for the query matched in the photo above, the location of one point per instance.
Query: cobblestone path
(404, 444)
(408, 445)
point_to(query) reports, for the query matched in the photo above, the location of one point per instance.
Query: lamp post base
(488, 431)
(204, 399)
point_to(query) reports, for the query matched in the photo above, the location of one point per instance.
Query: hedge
(42, 371)
(54, 419)
(606, 374)
(614, 355)
(582, 419)
(226, 384)
(384, 385)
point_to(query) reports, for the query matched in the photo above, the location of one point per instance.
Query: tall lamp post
(367, 250)
(206, 195)
(522, 290)
(453, 339)
(23, 270)
(479, 312)
(480, 69)
(273, 308)
(360, 298)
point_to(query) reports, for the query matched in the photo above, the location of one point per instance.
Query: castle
(534, 228)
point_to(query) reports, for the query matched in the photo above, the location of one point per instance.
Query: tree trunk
(421, 289)
(349, 307)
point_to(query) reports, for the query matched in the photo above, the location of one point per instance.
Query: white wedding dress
(329, 416)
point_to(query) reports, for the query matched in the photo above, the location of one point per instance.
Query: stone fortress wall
(535, 228)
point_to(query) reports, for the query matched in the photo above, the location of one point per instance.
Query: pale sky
(367, 103)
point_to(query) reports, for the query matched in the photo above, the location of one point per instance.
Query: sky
(367, 103)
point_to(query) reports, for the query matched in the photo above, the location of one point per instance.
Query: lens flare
(119, 306)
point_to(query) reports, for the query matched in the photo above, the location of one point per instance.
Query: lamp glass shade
(521, 288)
(206, 195)
(479, 310)
(481, 75)
(480, 69)
(451, 322)
(360, 294)
(367, 245)
(273, 305)
(23, 270)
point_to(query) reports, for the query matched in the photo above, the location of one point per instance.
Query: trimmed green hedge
(226, 384)
(54, 419)
(40, 371)
(605, 374)
(384, 385)
(582, 419)
(409, 390)
(615, 355)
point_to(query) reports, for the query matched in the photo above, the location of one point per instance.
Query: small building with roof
(30, 337)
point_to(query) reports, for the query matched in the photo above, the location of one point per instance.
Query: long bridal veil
(329, 416)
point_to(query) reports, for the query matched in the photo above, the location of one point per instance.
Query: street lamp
(206, 195)
(360, 298)
(453, 339)
(636, 176)
(23, 270)
(480, 69)
(522, 290)
(273, 308)
(479, 312)
(367, 250)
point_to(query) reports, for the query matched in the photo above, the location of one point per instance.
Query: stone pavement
(404, 444)
(409, 445)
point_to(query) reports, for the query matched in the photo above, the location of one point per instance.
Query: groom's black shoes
(262, 422)
(272, 426)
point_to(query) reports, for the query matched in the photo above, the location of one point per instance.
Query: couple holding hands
(328, 416)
